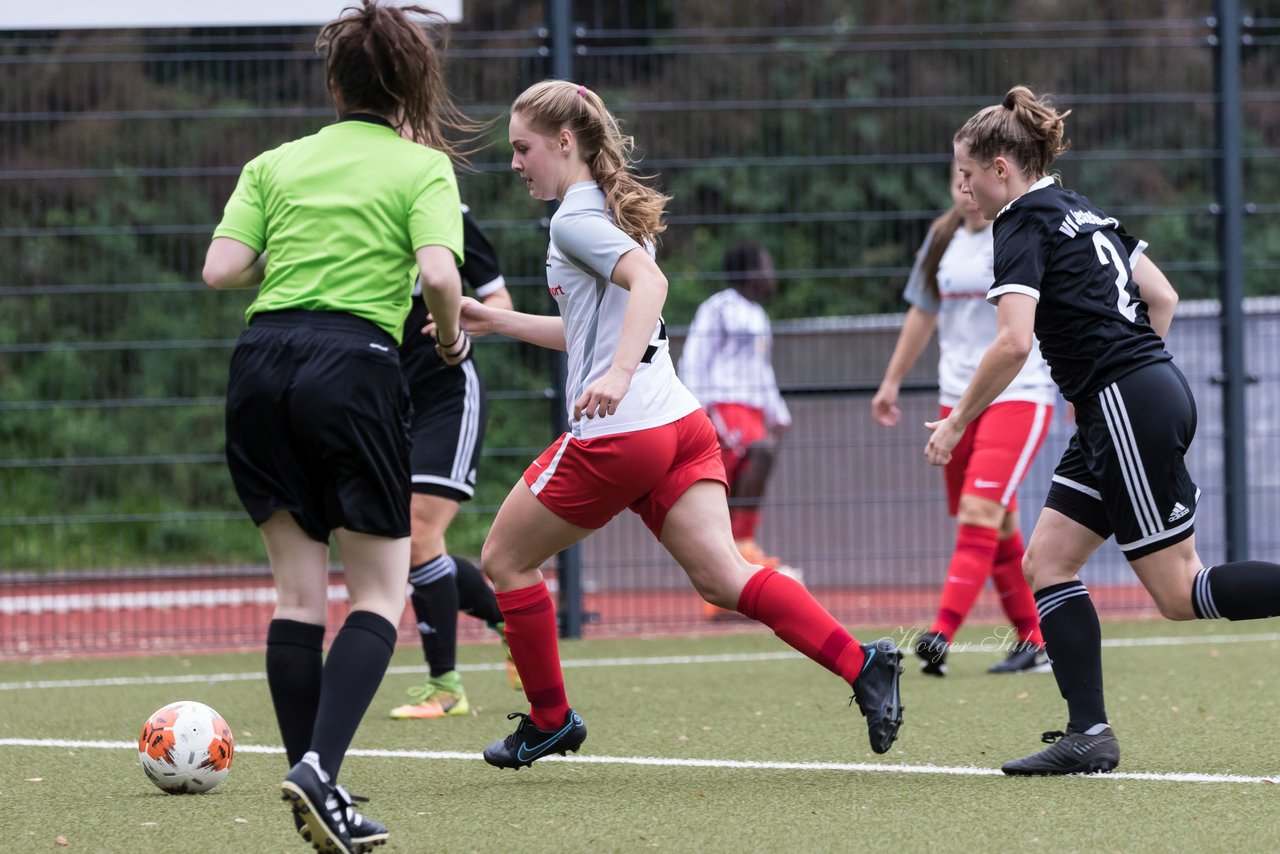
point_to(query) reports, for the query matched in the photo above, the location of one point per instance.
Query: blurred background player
(947, 291)
(727, 363)
(448, 433)
(330, 226)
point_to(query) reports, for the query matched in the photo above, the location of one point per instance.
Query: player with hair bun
(947, 291)
(1071, 276)
(636, 437)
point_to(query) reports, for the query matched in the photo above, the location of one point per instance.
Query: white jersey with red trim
(585, 247)
(967, 322)
(728, 356)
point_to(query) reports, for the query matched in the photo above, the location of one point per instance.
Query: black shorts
(447, 429)
(318, 424)
(1124, 471)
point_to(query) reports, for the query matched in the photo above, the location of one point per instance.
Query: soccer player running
(637, 438)
(330, 226)
(447, 433)
(947, 290)
(1073, 276)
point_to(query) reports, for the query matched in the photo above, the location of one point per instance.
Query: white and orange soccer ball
(186, 747)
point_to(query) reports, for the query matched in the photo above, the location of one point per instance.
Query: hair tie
(582, 91)
(1009, 101)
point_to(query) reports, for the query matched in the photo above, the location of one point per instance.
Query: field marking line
(657, 762)
(629, 661)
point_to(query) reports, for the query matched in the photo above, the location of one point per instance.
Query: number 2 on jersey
(1109, 255)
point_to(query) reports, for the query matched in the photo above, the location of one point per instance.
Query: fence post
(569, 561)
(1231, 288)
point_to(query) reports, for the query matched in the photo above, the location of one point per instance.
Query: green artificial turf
(1192, 706)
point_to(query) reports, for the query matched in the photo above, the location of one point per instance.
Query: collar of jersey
(1046, 181)
(578, 187)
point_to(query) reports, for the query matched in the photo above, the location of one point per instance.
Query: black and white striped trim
(1202, 597)
(432, 571)
(1048, 604)
(1150, 523)
(459, 477)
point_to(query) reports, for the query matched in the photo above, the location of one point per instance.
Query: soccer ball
(186, 747)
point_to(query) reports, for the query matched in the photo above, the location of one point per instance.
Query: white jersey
(967, 322)
(585, 247)
(728, 356)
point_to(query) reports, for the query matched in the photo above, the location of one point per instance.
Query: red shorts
(995, 452)
(588, 482)
(737, 426)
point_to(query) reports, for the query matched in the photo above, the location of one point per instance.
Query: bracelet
(448, 348)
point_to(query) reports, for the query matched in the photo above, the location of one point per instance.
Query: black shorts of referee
(318, 424)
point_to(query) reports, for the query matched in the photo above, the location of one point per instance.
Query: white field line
(656, 762)
(211, 597)
(638, 661)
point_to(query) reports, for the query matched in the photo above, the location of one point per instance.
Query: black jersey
(1054, 245)
(479, 272)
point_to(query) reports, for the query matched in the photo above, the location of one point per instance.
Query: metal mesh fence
(819, 129)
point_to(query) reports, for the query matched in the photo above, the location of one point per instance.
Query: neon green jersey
(340, 214)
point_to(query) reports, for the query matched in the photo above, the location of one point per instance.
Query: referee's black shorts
(1124, 471)
(317, 424)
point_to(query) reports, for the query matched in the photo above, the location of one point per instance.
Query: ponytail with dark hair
(554, 104)
(379, 60)
(1023, 126)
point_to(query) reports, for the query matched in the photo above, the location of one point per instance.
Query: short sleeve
(244, 218)
(1021, 255)
(1135, 247)
(591, 240)
(917, 293)
(435, 213)
(480, 262)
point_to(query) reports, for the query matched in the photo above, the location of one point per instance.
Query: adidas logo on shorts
(1178, 511)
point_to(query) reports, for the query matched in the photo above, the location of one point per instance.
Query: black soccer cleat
(529, 744)
(932, 647)
(876, 692)
(1024, 657)
(319, 807)
(1091, 752)
(365, 832)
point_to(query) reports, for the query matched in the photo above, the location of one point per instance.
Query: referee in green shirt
(330, 227)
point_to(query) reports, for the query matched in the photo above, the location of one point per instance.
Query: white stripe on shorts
(541, 482)
(1135, 477)
(1028, 450)
(469, 429)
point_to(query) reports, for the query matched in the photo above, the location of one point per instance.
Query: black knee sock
(475, 596)
(1244, 590)
(295, 661)
(1073, 639)
(357, 662)
(435, 605)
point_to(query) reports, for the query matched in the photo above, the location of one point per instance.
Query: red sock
(1015, 594)
(784, 605)
(968, 571)
(744, 520)
(530, 625)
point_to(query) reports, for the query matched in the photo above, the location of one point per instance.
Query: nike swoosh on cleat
(529, 755)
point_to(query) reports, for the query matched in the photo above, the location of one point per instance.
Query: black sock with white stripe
(1244, 590)
(1073, 639)
(475, 596)
(435, 605)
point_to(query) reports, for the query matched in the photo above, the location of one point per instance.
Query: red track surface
(142, 616)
